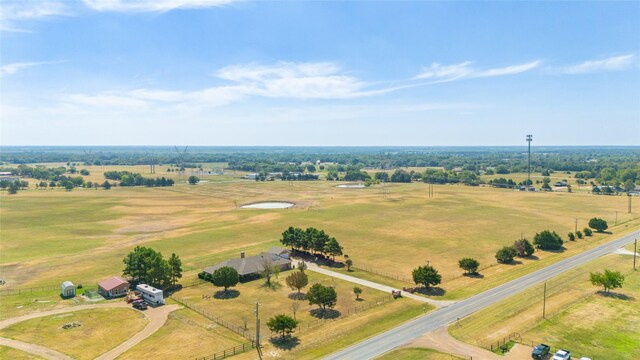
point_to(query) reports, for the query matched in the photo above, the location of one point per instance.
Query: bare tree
(294, 308)
(268, 268)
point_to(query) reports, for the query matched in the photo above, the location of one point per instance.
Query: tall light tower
(529, 140)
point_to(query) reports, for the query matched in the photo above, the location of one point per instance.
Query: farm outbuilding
(68, 289)
(113, 287)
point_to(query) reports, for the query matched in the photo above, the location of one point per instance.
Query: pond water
(268, 205)
(351, 186)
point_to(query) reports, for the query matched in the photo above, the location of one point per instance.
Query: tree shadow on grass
(229, 294)
(172, 289)
(325, 314)
(474, 275)
(297, 296)
(555, 251)
(286, 343)
(273, 285)
(360, 299)
(432, 291)
(615, 295)
(514, 262)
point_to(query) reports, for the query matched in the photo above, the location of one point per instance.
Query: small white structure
(68, 289)
(150, 294)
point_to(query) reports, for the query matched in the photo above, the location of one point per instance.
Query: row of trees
(311, 239)
(146, 265)
(127, 178)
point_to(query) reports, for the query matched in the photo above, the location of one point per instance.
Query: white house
(68, 289)
(150, 294)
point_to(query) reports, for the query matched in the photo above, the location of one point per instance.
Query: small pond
(268, 205)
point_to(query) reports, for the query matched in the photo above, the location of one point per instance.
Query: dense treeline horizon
(557, 158)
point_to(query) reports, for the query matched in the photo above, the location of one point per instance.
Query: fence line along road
(380, 344)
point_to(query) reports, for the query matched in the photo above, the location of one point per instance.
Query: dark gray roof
(249, 265)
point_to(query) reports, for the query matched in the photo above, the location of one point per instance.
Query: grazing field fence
(38, 289)
(355, 310)
(238, 329)
(238, 349)
(375, 270)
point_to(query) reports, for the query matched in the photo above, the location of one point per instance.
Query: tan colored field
(100, 331)
(13, 354)
(416, 354)
(188, 334)
(51, 236)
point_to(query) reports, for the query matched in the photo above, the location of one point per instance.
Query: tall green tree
(193, 180)
(175, 265)
(608, 280)
(548, 240)
(225, 277)
(297, 280)
(598, 224)
(323, 296)
(469, 265)
(333, 248)
(426, 275)
(523, 248)
(506, 255)
(283, 324)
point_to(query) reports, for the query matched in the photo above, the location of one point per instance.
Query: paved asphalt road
(413, 329)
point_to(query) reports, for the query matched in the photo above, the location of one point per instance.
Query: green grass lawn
(416, 354)
(100, 331)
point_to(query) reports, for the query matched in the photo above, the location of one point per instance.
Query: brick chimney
(241, 254)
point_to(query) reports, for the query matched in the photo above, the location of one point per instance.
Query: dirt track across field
(157, 318)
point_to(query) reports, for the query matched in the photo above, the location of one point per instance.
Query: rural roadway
(382, 343)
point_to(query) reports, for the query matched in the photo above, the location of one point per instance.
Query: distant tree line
(127, 178)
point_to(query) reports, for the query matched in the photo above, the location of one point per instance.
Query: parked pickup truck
(540, 351)
(140, 304)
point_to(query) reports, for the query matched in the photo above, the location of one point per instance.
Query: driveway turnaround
(157, 317)
(370, 284)
(380, 344)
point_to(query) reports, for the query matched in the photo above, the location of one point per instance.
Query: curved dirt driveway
(157, 318)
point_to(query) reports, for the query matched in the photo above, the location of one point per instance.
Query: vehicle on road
(540, 351)
(562, 355)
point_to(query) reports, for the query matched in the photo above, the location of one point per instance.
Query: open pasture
(51, 236)
(100, 330)
(578, 318)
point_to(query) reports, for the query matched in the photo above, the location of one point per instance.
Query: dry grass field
(49, 236)
(417, 354)
(188, 334)
(100, 331)
(578, 318)
(53, 235)
(14, 354)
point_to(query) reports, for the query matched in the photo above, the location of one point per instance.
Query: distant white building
(68, 289)
(150, 294)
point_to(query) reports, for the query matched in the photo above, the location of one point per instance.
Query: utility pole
(629, 196)
(258, 332)
(544, 302)
(529, 140)
(576, 228)
(616, 218)
(635, 253)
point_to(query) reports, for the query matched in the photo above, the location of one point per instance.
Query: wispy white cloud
(615, 63)
(151, 5)
(445, 73)
(321, 80)
(15, 11)
(10, 69)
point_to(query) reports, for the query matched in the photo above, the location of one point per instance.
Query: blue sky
(211, 72)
